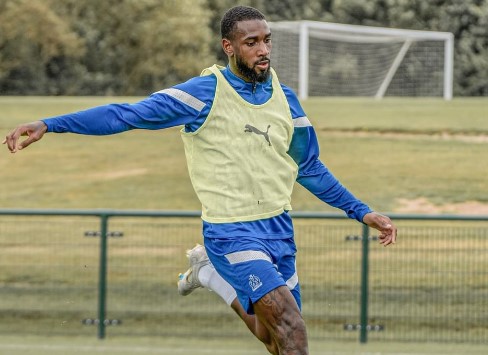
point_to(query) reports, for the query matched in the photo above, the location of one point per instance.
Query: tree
(136, 47)
(34, 43)
(467, 20)
(469, 23)
(91, 47)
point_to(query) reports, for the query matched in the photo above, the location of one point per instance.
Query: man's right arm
(167, 108)
(184, 104)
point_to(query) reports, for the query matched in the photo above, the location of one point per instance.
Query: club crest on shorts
(254, 282)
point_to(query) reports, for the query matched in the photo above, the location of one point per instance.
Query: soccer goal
(329, 59)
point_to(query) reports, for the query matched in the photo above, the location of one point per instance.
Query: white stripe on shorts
(184, 97)
(301, 122)
(247, 255)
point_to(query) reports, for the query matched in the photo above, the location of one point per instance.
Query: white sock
(210, 278)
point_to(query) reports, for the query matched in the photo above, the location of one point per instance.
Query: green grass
(170, 346)
(427, 116)
(431, 286)
(383, 151)
(147, 169)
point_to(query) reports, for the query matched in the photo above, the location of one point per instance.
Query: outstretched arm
(34, 131)
(184, 104)
(312, 173)
(316, 178)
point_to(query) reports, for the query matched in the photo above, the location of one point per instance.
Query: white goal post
(330, 59)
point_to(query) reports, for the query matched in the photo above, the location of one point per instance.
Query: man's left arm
(316, 177)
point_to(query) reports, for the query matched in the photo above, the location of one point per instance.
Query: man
(246, 141)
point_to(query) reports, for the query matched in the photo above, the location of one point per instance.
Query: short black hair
(237, 14)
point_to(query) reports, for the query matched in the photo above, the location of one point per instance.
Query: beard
(250, 72)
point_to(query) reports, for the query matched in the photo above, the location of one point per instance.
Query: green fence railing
(54, 279)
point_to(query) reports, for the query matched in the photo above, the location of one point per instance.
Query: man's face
(251, 49)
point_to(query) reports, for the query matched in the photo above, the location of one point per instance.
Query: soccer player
(247, 140)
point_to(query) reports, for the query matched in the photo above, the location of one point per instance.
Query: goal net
(328, 59)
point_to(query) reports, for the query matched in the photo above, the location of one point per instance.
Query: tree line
(135, 47)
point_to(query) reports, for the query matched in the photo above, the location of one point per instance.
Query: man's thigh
(278, 312)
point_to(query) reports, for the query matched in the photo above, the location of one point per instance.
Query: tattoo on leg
(279, 312)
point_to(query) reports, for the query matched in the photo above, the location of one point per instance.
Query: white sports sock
(210, 278)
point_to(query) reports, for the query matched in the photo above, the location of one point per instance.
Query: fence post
(363, 331)
(102, 276)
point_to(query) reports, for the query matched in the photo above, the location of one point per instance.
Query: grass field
(408, 155)
(390, 153)
(431, 286)
(168, 346)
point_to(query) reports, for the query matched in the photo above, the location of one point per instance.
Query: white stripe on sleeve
(301, 122)
(184, 97)
(292, 282)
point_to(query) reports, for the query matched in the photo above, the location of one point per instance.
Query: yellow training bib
(238, 160)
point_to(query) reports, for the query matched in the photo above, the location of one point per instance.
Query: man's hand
(34, 131)
(388, 231)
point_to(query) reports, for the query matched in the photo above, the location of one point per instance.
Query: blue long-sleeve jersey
(190, 107)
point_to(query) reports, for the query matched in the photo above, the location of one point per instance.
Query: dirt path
(423, 205)
(443, 136)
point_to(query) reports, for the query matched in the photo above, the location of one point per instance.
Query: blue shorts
(254, 267)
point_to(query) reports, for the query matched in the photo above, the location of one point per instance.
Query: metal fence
(61, 272)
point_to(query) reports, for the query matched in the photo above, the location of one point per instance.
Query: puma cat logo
(249, 128)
